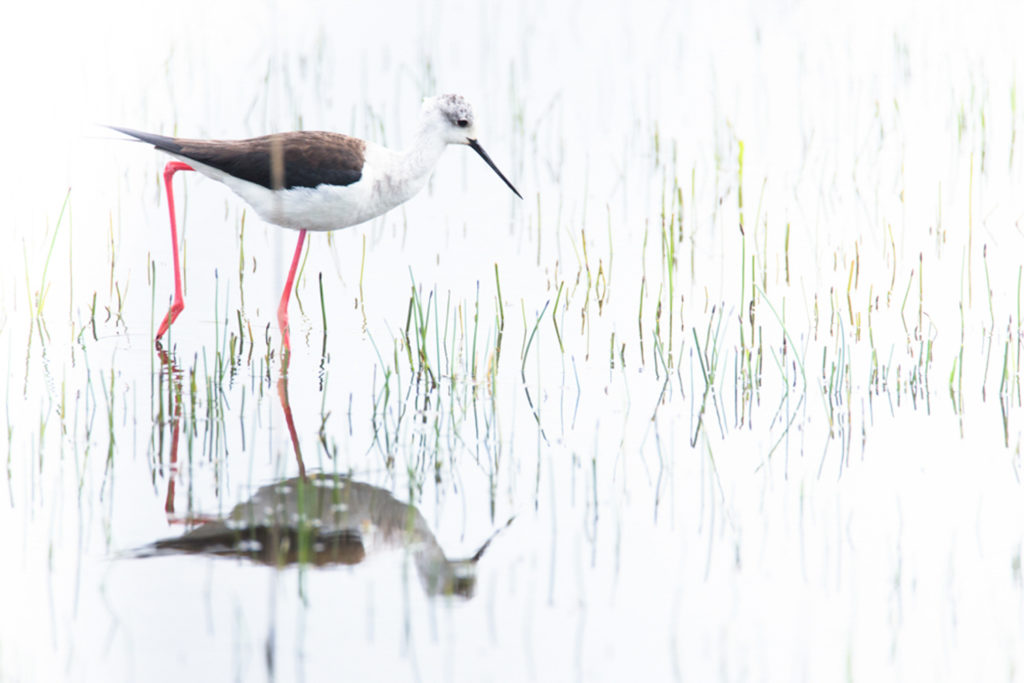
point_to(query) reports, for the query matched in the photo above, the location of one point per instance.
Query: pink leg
(179, 299)
(282, 309)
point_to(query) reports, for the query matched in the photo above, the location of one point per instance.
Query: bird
(342, 521)
(316, 180)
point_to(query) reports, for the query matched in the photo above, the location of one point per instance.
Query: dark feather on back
(281, 160)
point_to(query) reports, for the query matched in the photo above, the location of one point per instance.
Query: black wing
(281, 160)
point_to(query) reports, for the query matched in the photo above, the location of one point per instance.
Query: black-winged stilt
(314, 180)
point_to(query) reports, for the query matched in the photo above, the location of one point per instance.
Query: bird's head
(451, 117)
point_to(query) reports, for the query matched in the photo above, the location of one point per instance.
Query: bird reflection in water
(322, 519)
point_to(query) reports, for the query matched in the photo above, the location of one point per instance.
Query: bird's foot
(172, 314)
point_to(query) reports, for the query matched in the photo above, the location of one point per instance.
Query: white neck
(403, 174)
(418, 161)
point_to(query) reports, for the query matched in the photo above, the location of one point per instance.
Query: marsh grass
(680, 345)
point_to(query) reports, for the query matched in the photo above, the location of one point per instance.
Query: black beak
(480, 150)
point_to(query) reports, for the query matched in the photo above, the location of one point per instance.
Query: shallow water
(750, 392)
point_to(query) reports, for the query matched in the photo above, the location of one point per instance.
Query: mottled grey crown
(456, 108)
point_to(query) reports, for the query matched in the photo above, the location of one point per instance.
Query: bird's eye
(462, 123)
